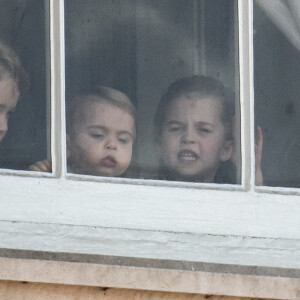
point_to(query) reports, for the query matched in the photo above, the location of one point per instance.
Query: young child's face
(193, 139)
(101, 142)
(9, 96)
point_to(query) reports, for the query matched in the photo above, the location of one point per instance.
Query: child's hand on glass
(258, 155)
(41, 166)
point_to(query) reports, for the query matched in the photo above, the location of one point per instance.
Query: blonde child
(14, 83)
(100, 134)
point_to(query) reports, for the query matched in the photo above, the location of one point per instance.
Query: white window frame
(210, 223)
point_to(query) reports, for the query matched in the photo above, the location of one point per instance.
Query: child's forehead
(196, 101)
(89, 104)
(196, 109)
(97, 105)
(101, 112)
(198, 96)
(89, 100)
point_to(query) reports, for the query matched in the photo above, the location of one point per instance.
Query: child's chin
(109, 173)
(190, 176)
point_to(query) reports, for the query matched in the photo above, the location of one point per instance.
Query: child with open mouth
(194, 130)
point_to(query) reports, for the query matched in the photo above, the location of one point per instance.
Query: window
(214, 223)
(140, 48)
(277, 61)
(24, 29)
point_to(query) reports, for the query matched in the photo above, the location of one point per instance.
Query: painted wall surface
(10, 290)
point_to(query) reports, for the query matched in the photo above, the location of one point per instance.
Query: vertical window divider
(245, 12)
(48, 75)
(58, 127)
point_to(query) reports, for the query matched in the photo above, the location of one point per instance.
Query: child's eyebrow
(174, 123)
(96, 127)
(106, 129)
(204, 124)
(201, 123)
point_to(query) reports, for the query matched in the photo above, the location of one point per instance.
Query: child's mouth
(187, 156)
(108, 162)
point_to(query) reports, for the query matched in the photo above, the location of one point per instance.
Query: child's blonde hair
(11, 67)
(98, 94)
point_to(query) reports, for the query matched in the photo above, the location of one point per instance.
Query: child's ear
(68, 145)
(227, 150)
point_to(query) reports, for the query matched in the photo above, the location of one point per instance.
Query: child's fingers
(258, 156)
(41, 166)
(38, 166)
(233, 156)
(259, 177)
(48, 165)
(34, 167)
(259, 137)
(45, 165)
(258, 146)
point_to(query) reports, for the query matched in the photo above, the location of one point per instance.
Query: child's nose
(111, 143)
(188, 136)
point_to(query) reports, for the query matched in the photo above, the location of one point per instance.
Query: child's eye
(97, 136)
(175, 129)
(204, 130)
(123, 140)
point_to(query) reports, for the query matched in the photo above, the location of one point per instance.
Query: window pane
(23, 30)
(141, 47)
(277, 89)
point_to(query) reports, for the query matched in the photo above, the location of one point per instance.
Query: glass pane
(140, 47)
(277, 89)
(23, 90)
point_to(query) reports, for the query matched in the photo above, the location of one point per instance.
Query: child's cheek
(92, 152)
(128, 152)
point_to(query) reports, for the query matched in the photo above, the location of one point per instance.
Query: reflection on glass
(277, 89)
(22, 109)
(139, 47)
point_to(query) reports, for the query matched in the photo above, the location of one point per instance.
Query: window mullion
(58, 133)
(245, 10)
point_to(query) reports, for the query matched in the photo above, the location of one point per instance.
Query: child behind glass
(100, 134)
(14, 82)
(194, 130)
